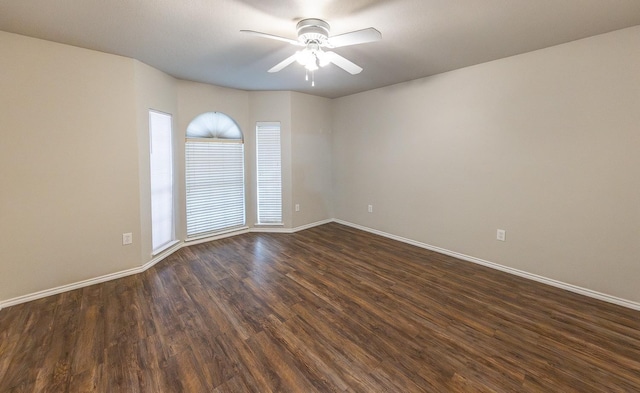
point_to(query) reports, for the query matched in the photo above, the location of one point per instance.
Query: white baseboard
(262, 229)
(157, 258)
(161, 256)
(313, 224)
(91, 281)
(69, 287)
(124, 273)
(555, 283)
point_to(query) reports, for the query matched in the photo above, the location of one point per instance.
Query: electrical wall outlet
(501, 235)
(370, 208)
(127, 238)
(297, 207)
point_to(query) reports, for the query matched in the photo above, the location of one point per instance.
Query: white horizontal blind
(161, 179)
(215, 185)
(269, 161)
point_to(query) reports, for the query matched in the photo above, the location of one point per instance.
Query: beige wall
(306, 146)
(305, 123)
(66, 203)
(544, 145)
(68, 165)
(311, 159)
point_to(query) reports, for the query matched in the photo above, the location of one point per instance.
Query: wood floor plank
(328, 309)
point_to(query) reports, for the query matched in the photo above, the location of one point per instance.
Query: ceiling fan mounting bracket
(310, 30)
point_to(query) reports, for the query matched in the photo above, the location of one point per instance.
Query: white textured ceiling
(199, 40)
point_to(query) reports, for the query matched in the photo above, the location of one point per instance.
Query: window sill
(162, 249)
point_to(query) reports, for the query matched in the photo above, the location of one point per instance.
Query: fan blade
(273, 37)
(283, 63)
(343, 63)
(355, 37)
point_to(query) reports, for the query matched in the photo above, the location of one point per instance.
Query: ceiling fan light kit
(313, 35)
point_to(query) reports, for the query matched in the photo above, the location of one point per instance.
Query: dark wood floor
(323, 310)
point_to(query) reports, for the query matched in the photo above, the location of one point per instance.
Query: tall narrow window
(161, 166)
(214, 160)
(268, 159)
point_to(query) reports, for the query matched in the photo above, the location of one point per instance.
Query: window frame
(157, 164)
(269, 169)
(206, 190)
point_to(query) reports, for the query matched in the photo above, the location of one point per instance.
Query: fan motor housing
(312, 30)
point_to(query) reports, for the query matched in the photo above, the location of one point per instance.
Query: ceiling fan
(313, 36)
